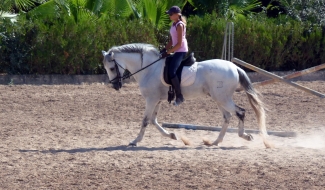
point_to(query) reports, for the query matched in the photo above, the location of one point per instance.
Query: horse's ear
(103, 52)
(111, 56)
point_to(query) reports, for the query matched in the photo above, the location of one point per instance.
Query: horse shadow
(108, 149)
(126, 149)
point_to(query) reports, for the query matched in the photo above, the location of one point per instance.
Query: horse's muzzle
(117, 85)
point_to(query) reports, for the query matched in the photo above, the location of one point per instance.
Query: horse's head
(112, 69)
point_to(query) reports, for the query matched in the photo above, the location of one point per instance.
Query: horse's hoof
(214, 144)
(132, 144)
(173, 136)
(207, 142)
(250, 137)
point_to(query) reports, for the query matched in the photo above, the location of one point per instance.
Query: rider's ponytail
(182, 18)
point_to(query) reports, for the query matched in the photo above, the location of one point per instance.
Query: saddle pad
(188, 75)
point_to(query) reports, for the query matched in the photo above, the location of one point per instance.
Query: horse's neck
(134, 63)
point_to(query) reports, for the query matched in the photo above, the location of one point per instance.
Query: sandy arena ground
(76, 137)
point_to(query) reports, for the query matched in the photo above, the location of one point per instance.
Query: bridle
(119, 78)
(118, 75)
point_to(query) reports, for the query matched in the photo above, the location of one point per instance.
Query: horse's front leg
(150, 107)
(160, 129)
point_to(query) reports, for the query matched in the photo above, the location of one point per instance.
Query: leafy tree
(312, 11)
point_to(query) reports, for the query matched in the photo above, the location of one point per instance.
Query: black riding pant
(175, 63)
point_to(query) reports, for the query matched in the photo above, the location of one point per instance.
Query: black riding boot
(177, 87)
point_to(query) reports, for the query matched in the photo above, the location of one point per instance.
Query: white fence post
(228, 42)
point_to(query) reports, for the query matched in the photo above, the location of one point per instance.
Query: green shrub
(16, 43)
(65, 47)
(270, 44)
(205, 36)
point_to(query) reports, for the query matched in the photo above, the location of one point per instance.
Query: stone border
(88, 79)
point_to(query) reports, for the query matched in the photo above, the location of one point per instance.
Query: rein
(120, 78)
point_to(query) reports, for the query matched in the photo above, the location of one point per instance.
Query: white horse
(216, 78)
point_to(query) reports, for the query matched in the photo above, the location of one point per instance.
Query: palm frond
(49, 9)
(123, 8)
(8, 15)
(154, 11)
(117, 8)
(24, 4)
(94, 6)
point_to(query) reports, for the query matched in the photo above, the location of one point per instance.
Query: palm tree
(241, 8)
(8, 8)
(52, 9)
(230, 9)
(151, 10)
(154, 11)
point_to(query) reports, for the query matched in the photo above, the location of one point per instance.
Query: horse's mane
(135, 48)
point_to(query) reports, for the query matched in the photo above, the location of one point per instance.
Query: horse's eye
(112, 69)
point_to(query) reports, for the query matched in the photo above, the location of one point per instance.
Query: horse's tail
(254, 100)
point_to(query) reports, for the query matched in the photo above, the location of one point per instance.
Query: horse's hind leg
(226, 116)
(160, 129)
(240, 113)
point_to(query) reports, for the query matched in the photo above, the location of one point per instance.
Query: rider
(177, 45)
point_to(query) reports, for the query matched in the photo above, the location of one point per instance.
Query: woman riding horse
(177, 45)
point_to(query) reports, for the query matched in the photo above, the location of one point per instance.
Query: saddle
(187, 62)
(186, 73)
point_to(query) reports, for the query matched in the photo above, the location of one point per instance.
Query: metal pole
(230, 130)
(276, 77)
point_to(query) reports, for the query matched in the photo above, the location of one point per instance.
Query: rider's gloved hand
(163, 50)
(164, 54)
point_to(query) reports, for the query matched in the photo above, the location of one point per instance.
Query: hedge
(265, 43)
(66, 47)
